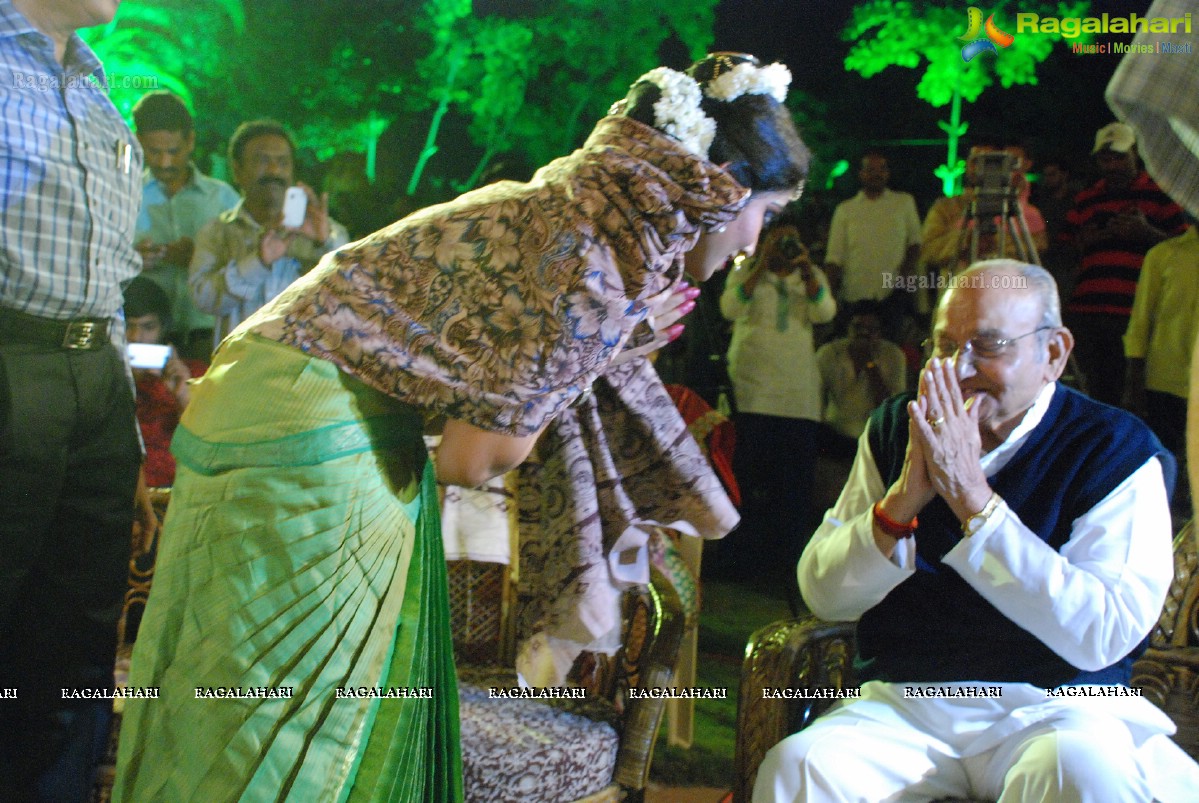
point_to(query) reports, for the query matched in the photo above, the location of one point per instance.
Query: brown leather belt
(79, 334)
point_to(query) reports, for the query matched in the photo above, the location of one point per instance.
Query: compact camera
(791, 248)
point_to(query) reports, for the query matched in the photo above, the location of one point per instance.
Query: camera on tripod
(994, 210)
(992, 172)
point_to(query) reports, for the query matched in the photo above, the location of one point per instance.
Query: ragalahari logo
(977, 44)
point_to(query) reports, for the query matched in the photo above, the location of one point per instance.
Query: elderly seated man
(1004, 544)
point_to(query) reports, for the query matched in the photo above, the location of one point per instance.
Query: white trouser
(885, 749)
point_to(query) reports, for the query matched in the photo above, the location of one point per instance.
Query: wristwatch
(975, 522)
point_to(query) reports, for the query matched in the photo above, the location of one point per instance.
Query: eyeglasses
(984, 348)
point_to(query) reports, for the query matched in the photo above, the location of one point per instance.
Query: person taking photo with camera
(773, 300)
(160, 375)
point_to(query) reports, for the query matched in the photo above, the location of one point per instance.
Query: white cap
(1118, 137)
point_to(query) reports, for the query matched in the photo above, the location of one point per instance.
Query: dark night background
(839, 112)
(1058, 116)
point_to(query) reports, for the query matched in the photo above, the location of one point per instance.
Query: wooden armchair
(619, 732)
(1168, 672)
(141, 575)
(597, 749)
(809, 653)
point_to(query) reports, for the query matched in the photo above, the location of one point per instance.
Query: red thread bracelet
(891, 527)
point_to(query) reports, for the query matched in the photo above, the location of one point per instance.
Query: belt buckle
(81, 335)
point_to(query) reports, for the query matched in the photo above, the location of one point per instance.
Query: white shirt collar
(994, 460)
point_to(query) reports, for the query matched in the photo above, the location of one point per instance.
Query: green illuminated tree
(589, 52)
(479, 66)
(925, 36)
(165, 44)
(337, 78)
(464, 89)
(531, 85)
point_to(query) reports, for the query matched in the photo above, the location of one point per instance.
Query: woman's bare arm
(469, 456)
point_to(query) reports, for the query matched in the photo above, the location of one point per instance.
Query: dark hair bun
(715, 64)
(639, 103)
(755, 135)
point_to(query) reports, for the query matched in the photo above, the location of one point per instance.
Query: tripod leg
(1011, 225)
(968, 225)
(1002, 229)
(1026, 238)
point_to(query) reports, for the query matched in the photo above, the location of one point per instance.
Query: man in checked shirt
(70, 185)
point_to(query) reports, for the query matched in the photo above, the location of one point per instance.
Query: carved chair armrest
(481, 598)
(1178, 625)
(141, 574)
(807, 655)
(1169, 678)
(655, 630)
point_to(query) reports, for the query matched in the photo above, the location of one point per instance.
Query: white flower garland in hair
(677, 111)
(746, 79)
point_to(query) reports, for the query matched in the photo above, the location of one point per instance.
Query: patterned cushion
(529, 750)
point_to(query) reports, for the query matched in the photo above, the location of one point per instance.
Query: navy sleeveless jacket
(935, 628)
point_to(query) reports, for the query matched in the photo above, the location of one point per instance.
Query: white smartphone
(149, 355)
(295, 205)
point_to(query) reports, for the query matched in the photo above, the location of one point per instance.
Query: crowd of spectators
(886, 271)
(828, 320)
(799, 349)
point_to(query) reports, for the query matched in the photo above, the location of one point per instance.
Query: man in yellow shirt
(1159, 341)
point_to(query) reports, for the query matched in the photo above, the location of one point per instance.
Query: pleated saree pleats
(300, 576)
(395, 765)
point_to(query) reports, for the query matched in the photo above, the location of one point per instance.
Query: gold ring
(935, 422)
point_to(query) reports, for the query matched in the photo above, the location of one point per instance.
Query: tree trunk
(443, 106)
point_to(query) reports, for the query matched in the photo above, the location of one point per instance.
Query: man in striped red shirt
(1112, 225)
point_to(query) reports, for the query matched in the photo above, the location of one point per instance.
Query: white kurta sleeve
(911, 222)
(1098, 597)
(733, 305)
(824, 308)
(842, 573)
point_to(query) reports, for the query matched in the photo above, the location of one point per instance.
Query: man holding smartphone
(161, 375)
(69, 454)
(248, 254)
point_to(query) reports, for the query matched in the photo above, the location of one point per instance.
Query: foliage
(173, 43)
(812, 119)
(592, 50)
(477, 65)
(906, 34)
(465, 90)
(531, 85)
(336, 73)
